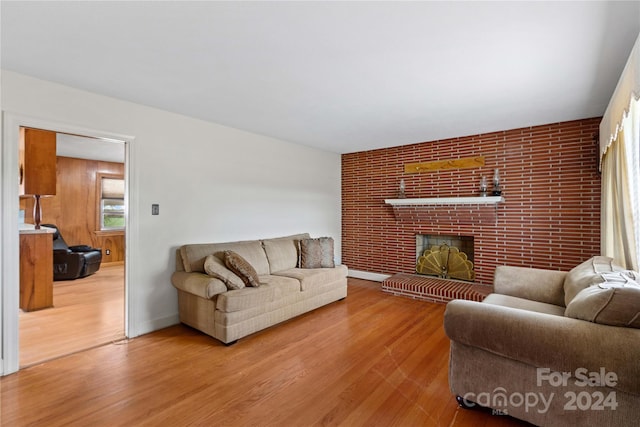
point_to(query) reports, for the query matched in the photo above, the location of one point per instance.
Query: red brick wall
(550, 217)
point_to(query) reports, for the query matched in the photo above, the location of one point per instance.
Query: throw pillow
(609, 303)
(242, 268)
(586, 274)
(214, 267)
(316, 253)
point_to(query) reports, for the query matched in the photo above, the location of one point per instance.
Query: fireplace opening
(447, 257)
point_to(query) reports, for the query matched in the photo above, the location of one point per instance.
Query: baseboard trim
(366, 275)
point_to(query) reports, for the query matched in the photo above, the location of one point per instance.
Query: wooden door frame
(9, 236)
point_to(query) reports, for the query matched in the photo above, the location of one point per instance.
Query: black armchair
(73, 262)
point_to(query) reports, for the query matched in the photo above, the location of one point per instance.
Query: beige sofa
(551, 348)
(207, 304)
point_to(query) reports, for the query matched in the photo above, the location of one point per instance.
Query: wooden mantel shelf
(488, 200)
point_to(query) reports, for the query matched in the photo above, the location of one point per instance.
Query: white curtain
(627, 89)
(621, 192)
(620, 165)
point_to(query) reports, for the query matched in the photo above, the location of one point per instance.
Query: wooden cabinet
(36, 270)
(37, 157)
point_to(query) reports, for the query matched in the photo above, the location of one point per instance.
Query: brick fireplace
(550, 217)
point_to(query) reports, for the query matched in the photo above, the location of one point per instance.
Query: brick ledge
(433, 289)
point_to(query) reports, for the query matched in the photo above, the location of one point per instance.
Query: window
(112, 208)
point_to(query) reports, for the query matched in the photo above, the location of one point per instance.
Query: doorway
(9, 231)
(88, 209)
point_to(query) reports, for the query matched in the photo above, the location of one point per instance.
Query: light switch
(155, 209)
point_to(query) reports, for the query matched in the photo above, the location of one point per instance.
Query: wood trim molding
(104, 233)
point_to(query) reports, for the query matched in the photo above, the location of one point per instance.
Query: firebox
(447, 257)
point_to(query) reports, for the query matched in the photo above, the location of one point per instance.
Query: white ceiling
(341, 76)
(81, 147)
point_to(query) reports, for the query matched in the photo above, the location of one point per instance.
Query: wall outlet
(107, 252)
(155, 209)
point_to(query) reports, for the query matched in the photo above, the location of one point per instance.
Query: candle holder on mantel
(401, 193)
(483, 186)
(497, 189)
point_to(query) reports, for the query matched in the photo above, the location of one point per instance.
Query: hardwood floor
(87, 312)
(372, 359)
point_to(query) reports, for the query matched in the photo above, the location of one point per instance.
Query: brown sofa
(217, 306)
(551, 348)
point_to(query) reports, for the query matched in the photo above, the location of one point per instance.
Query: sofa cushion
(523, 304)
(311, 278)
(283, 252)
(586, 274)
(193, 255)
(242, 268)
(530, 283)
(316, 253)
(272, 288)
(214, 266)
(614, 302)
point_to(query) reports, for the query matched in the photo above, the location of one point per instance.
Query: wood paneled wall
(74, 209)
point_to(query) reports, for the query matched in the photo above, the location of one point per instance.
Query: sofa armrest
(530, 283)
(559, 343)
(198, 284)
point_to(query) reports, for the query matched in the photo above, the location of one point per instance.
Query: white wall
(213, 183)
